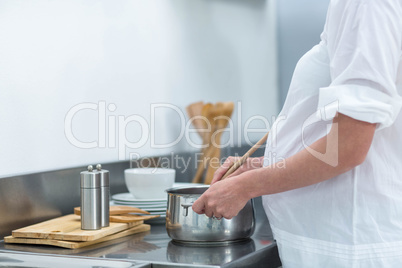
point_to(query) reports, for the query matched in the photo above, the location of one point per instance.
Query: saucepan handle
(185, 208)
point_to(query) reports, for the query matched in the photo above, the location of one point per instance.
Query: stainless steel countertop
(156, 248)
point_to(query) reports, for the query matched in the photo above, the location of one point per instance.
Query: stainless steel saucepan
(184, 225)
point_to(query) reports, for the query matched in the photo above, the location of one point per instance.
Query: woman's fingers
(251, 163)
(222, 200)
(223, 169)
(199, 205)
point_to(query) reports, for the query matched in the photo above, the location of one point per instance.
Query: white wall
(119, 57)
(299, 26)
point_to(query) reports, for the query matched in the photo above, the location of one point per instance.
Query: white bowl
(149, 183)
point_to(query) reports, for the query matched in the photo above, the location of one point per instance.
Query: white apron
(355, 219)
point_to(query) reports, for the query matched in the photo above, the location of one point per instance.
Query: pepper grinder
(90, 200)
(105, 193)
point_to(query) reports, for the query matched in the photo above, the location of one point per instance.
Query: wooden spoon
(243, 159)
(194, 111)
(121, 214)
(131, 218)
(208, 112)
(226, 110)
(117, 210)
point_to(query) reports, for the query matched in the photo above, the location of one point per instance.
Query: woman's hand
(223, 199)
(251, 163)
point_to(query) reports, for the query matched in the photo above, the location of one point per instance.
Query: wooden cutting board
(69, 228)
(71, 244)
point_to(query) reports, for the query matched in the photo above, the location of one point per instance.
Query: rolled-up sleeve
(364, 48)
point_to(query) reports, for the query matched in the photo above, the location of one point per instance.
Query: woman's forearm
(345, 147)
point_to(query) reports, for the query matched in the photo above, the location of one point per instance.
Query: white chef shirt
(354, 219)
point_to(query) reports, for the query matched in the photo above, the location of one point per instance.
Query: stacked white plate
(153, 206)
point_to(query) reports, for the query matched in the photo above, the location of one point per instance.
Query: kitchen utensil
(197, 113)
(194, 112)
(117, 210)
(91, 218)
(121, 214)
(105, 195)
(184, 225)
(225, 112)
(131, 218)
(208, 112)
(72, 244)
(146, 183)
(155, 207)
(240, 162)
(69, 228)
